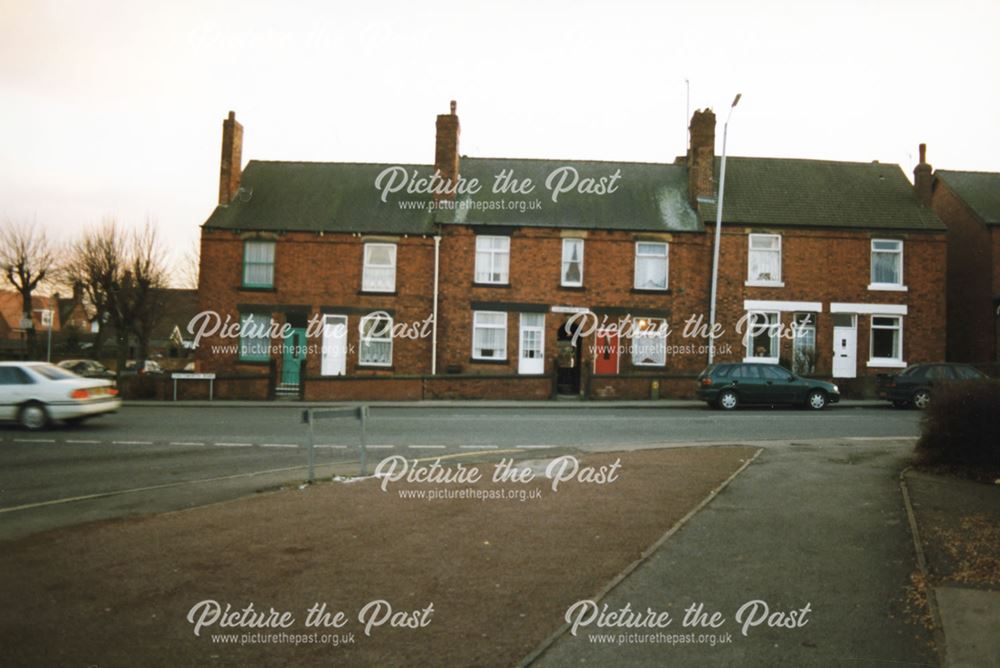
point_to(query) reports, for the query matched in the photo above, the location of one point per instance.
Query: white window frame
(368, 282)
(751, 280)
(775, 352)
(886, 362)
(477, 325)
(385, 336)
(567, 245)
(666, 264)
(494, 258)
(892, 287)
(650, 328)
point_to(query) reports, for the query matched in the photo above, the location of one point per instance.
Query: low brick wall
(633, 388)
(487, 387)
(376, 388)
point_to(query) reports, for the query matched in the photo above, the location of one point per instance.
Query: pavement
(808, 524)
(958, 536)
(557, 404)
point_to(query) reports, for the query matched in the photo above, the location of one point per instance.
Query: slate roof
(319, 196)
(647, 197)
(780, 192)
(773, 192)
(980, 190)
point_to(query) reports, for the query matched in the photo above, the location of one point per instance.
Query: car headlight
(836, 389)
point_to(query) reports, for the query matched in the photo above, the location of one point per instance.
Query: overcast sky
(115, 108)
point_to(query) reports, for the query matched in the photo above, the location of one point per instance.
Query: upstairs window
(764, 260)
(572, 263)
(650, 266)
(887, 264)
(379, 273)
(258, 264)
(492, 259)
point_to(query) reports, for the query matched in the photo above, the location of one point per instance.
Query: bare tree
(123, 276)
(27, 259)
(187, 274)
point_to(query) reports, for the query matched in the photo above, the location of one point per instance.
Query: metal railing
(311, 415)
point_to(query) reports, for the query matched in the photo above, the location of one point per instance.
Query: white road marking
(132, 442)
(380, 447)
(233, 445)
(80, 440)
(279, 445)
(336, 447)
(185, 443)
(34, 440)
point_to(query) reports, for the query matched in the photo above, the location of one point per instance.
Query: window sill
(257, 288)
(764, 284)
(887, 287)
(387, 293)
(490, 285)
(882, 363)
(476, 360)
(760, 360)
(575, 288)
(376, 367)
(648, 366)
(651, 291)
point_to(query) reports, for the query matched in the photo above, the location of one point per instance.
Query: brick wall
(834, 266)
(535, 272)
(970, 303)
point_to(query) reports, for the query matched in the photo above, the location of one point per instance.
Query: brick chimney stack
(922, 178)
(701, 156)
(446, 161)
(232, 159)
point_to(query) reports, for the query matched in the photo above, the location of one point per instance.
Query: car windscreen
(52, 372)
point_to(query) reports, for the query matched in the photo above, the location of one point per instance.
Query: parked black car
(87, 369)
(915, 384)
(727, 386)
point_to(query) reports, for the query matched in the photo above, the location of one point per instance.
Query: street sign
(194, 376)
(47, 318)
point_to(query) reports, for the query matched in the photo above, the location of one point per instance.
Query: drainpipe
(434, 326)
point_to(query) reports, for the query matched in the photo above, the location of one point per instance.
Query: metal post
(718, 233)
(363, 414)
(48, 354)
(312, 446)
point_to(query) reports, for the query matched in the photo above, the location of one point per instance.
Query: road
(155, 459)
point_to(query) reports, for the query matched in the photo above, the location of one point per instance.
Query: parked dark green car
(916, 383)
(727, 386)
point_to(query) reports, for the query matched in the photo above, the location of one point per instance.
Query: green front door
(294, 356)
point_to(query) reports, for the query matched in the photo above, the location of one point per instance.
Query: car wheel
(33, 416)
(921, 399)
(816, 400)
(728, 400)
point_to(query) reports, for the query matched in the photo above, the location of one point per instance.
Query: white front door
(845, 346)
(531, 350)
(334, 345)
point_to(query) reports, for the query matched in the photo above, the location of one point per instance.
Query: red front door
(607, 352)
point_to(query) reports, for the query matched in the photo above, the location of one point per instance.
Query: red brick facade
(321, 273)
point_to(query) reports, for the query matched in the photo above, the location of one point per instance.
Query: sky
(115, 109)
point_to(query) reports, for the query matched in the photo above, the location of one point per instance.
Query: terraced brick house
(969, 205)
(575, 278)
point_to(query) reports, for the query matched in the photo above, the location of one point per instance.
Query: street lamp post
(718, 233)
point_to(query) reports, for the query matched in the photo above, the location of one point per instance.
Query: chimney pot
(923, 154)
(454, 107)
